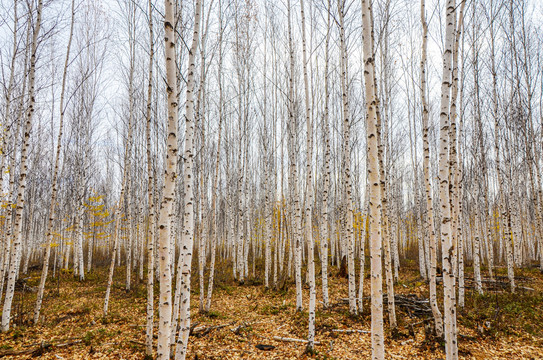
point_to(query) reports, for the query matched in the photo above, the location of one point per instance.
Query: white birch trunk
(150, 199)
(170, 174)
(296, 212)
(477, 257)
(324, 223)
(428, 186)
(309, 192)
(17, 233)
(451, 346)
(346, 149)
(377, 335)
(187, 237)
(215, 235)
(49, 236)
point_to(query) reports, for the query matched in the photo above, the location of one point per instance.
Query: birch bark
(17, 233)
(346, 151)
(324, 223)
(170, 169)
(448, 250)
(309, 192)
(150, 198)
(377, 337)
(428, 186)
(188, 164)
(54, 190)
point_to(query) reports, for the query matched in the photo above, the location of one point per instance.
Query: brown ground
(497, 325)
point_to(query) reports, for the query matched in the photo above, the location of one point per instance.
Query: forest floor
(497, 325)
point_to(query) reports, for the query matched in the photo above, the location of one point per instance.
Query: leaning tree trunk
(49, 236)
(18, 225)
(9, 205)
(8, 101)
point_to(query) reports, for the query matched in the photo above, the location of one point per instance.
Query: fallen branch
(137, 342)
(16, 352)
(499, 283)
(142, 325)
(237, 329)
(192, 327)
(39, 343)
(279, 338)
(238, 350)
(69, 343)
(411, 303)
(203, 330)
(36, 351)
(349, 331)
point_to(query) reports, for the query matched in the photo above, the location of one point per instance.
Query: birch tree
(170, 174)
(324, 224)
(377, 338)
(187, 237)
(309, 190)
(346, 151)
(427, 185)
(17, 233)
(150, 198)
(451, 346)
(54, 188)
